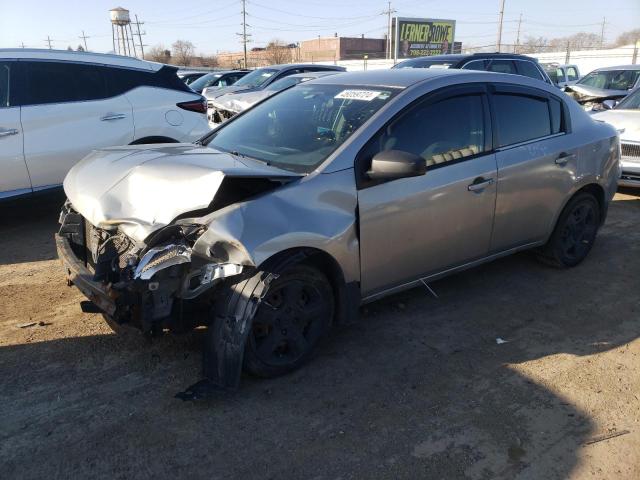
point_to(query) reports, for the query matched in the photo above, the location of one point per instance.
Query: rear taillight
(199, 106)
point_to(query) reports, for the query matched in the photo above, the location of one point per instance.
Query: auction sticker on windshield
(364, 95)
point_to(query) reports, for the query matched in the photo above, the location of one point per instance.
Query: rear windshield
(611, 79)
(419, 63)
(257, 78)
(299, 128)
(205, 81)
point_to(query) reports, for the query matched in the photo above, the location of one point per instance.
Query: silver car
(328, 195)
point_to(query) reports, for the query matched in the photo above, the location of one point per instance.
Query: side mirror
(390, 164)
(609, 104)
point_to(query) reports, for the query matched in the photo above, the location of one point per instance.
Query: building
(324, 49)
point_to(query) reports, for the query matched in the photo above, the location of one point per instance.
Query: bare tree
(278, 52)
(80, 48)
(158, 53)
(205, 61)
(577, 41)
(182, 52)
(627, 38)
(533, 45)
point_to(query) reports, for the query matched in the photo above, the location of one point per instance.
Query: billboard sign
(419, 37)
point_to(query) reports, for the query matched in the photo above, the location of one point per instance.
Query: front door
(413, 227)
(14, 179)
(66, 114)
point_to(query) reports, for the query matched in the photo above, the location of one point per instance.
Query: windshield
(555, 74)
(299, 128)
(630, 102)
(257, 78)
(611, 79)
(283, 83)
(420, 63)
(205, 81)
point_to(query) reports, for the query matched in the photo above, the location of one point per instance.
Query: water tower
(123, 43)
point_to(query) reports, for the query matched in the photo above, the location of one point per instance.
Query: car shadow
(27, 226)
(421, 387)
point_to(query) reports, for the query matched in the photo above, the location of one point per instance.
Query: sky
(211, 25)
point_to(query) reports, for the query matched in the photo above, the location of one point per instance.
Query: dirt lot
(419, 388)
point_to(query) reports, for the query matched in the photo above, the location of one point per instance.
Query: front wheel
(575, 232)
(293, 317)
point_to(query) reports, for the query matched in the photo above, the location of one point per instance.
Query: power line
(84, 37)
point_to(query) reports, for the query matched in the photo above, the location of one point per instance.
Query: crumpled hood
(627, 120)
(143, 188)
(239, 102)
(585, 93)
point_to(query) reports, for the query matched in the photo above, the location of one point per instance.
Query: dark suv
(490, 62)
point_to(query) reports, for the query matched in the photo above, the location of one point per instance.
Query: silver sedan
(333, 193)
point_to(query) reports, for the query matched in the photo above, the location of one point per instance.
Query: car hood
(585, 93)
(627, 122)
(143, 188)
(218, 92)
(238, 102)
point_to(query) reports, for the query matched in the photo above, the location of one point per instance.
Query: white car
(562, 75)
(625, 116)
(58, 106)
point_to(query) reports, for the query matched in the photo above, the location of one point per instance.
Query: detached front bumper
(80, 276)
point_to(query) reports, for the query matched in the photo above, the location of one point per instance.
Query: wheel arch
(153, 139)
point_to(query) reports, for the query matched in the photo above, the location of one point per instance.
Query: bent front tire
(574, 234)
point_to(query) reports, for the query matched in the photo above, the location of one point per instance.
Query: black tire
(293, 317)
(574, 234)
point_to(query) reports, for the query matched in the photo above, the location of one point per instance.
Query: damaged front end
(155, 286)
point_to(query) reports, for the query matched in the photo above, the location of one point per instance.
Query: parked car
(625, 117)
(262, 77)
(490, 62)
(217, 79)
(225, 107)
(57, 106)
(562, 75)
(190, 77)
(610, 83)
(328, 195)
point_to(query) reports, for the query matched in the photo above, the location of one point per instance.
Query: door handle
(564, 157)
(479, 184)
(6, 133)
(113, 116)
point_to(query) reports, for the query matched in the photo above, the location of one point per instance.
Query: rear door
(412, 227)
(14, 179)
(536, 163)
(66, 113)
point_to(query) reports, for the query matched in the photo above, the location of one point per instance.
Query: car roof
(619, 67)
(286, 66)
(314, 74)
(395, 78)
(80, 57)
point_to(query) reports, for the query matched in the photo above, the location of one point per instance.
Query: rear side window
(572, 74)
(528, 69)
(122, 80)
(59, 82)
(4, 84)
(521, 118)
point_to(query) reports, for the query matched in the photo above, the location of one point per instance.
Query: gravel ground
(418, 388)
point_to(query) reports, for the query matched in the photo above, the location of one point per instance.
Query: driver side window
(442, 132)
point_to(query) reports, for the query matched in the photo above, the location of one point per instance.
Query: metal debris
(606, 436)
(27, 325)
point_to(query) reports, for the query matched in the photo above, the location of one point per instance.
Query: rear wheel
(292, 318)
(575, 232)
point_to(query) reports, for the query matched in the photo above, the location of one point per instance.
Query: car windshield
(257, 78)
(283, 83)
(419, 63)
(555, 74)
(205, 81)
(299, 128)
(611, 79)
(631, 101)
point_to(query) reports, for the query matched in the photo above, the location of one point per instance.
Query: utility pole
(137, 23)
(244, 34)
(499, 43)
(22, 45)
(84, 37)
(517, 45)
(389, 11)
(48, 40)
(604, 22)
